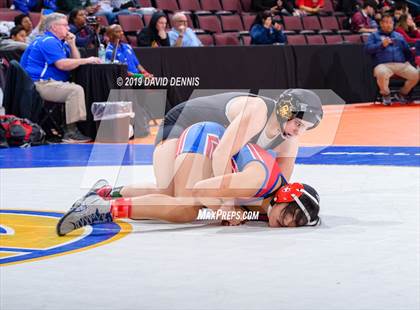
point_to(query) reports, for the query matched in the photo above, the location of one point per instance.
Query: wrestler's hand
(235, 221)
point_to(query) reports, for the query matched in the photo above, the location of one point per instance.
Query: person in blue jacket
(391, 55)
(26, 6)
(267, 30)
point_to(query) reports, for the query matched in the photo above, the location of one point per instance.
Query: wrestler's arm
(286, 156)
(213, 192)
(248, 115)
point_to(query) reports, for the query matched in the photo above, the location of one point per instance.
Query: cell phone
(47, 12)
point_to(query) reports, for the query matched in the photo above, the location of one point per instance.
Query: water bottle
(101, 53)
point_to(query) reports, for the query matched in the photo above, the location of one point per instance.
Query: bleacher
(227, 22)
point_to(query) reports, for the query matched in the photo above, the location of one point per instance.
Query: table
(97, 80)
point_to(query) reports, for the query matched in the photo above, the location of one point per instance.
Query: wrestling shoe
(387, 100)
(100, 186)
(402, 99)
(91, 209)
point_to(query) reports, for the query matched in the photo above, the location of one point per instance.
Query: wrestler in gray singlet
(210, 108)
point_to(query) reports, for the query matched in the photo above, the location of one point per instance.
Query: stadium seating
(189, 5)
(9, 15)
(209, 23)
(245, 39)
(311, 23)
(296, 39)
(246, 5)
(227, 22)
(35, 17)
(231, 5)
(167, 5)
(333, 39)
(130, 23)
(146, 19)
(206, 39)
(132, 40)
(145, 3)
(211, 5)
(353, 38)
(103, 21)
(231, 23)
(331, 23)
(315, 39)
(292, 23)
(228, 38)
(248, 20)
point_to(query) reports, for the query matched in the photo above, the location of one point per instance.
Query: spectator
(48, 61)
(66, 6)
(26, 6)
(181, 34)
(17, 40)
(310, 6)
(362, 20)
(285, 7)
(38, 30)
(276, 7)
(349, 7)
(103, 8)
(400, 9)
(86, 35)
(266, 31)
(155, 34)
(391, 55)
(408, 29)
(122, 52)
(24, 21)
(112, 8)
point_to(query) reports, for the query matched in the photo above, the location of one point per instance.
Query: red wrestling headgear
(303, 195)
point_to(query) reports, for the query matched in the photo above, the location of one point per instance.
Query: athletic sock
(121, 208)
(109, 192)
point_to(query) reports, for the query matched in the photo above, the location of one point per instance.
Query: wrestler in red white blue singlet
(203, 138)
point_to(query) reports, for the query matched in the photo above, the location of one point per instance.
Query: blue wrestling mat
(66, 155)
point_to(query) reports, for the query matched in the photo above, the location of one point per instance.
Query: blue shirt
(262, 35)
(39, 58)
(27, 5)
(398, 51)
(125, 54)
(189, 39)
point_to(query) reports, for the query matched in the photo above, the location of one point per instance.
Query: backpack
(21, 132)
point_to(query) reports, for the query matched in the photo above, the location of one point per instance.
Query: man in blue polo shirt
(124, 53)
(48, 61)
(181, 34)
(391, 55)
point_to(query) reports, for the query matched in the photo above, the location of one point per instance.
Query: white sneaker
(92, 209)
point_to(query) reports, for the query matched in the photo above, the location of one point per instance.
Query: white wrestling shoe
(91, 209)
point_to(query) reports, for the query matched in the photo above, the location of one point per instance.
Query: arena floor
(365, 255)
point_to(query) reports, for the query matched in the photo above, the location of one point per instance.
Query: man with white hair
(48, 61)
(181, 34)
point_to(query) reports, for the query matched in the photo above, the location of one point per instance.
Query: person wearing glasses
(181, 34)
(48, 60)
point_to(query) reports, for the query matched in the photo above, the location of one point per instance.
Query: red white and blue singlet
(203, 138)
(252, 152)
